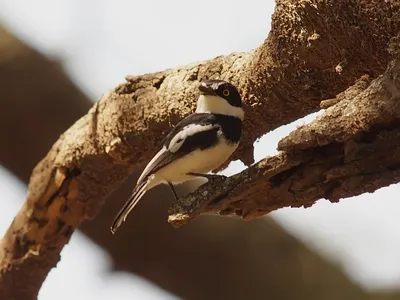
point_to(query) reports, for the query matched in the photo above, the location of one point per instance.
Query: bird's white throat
(218, 105)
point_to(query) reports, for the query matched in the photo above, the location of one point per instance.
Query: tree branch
(285, 78)
(353, 148)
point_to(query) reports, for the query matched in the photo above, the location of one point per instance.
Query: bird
(197, 145)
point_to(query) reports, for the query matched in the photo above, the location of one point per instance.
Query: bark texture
(314, 51)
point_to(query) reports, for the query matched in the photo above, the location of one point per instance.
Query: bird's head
(219, 97)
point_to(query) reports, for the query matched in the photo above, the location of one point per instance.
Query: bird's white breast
(198, 161)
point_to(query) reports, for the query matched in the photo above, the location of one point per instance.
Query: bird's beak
(205, 89)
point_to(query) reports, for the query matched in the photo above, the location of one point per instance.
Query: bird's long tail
(136, 195)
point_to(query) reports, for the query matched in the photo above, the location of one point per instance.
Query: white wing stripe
(190, 130)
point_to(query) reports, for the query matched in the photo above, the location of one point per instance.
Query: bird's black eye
(226, 92)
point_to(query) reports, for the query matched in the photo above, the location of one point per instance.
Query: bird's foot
(173, 190)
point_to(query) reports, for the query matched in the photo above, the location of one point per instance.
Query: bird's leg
(208, 176)
(173, 190)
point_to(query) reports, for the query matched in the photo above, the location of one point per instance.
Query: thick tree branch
(353, 148)
(285, 78)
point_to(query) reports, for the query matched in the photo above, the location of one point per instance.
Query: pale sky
(102, 41)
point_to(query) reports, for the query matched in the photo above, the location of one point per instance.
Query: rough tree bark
(314, 51)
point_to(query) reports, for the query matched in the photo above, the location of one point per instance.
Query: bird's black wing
(197, 131)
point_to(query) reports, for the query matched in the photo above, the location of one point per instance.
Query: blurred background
(58, 57)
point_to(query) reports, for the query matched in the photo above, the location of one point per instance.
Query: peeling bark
(314, 51)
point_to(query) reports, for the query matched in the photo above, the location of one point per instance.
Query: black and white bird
(198, 144)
